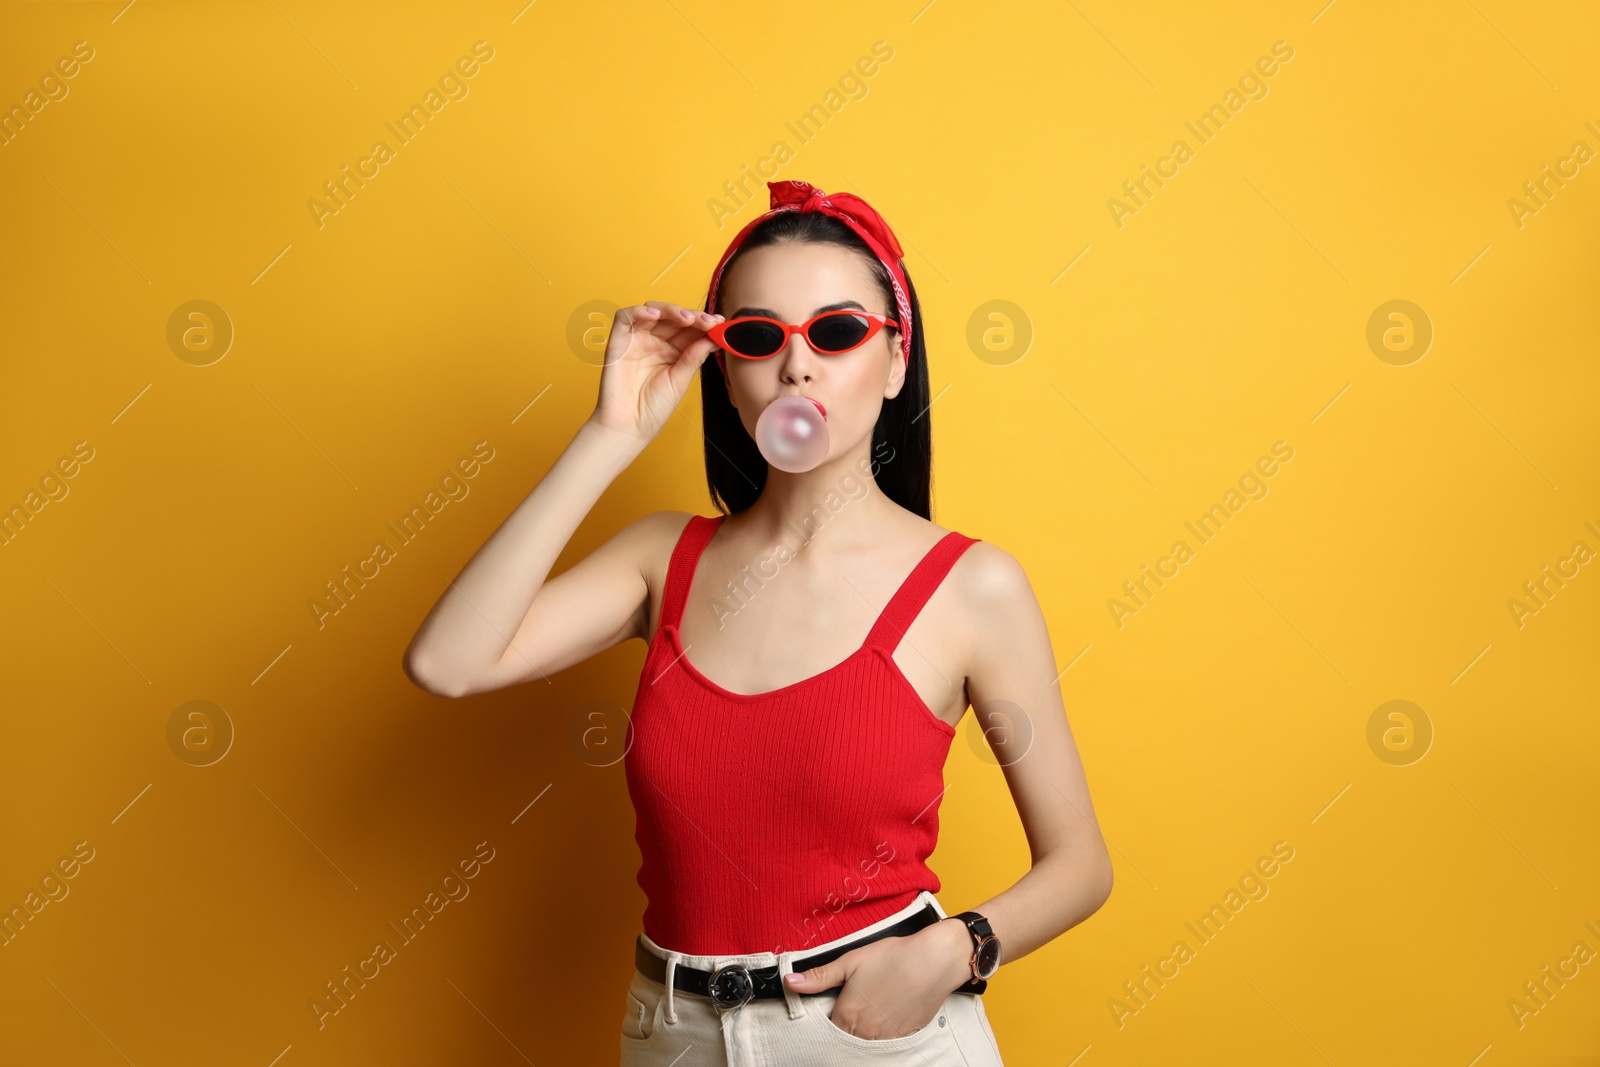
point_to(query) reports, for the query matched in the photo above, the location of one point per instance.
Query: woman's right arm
(500, 622)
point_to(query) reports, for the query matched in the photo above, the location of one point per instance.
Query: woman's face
(792, 282)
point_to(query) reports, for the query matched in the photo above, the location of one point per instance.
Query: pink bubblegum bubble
(793, 434)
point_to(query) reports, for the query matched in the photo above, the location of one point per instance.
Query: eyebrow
(769, 313)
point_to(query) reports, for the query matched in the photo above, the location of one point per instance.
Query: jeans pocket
(970, 1021)
(642, 1017)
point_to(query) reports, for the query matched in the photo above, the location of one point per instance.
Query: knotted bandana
(855, 213)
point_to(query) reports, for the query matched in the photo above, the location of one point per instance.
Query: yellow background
(373, 352)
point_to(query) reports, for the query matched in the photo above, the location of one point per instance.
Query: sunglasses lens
(839, 333)
(753, 338)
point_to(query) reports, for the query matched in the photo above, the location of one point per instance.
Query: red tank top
(769, 822)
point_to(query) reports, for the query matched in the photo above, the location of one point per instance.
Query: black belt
(733, 984)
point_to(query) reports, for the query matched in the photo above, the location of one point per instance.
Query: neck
(836, 502)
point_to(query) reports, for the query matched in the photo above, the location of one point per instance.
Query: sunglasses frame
(875, 322)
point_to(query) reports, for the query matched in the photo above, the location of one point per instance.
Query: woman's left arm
(895, 985)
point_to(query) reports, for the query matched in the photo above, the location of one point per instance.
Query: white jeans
(663, 1025)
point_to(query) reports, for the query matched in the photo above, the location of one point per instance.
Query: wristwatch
(985, 946)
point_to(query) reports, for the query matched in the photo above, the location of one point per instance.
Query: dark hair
(902, 441)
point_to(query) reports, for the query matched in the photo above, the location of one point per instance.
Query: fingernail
(794, 979)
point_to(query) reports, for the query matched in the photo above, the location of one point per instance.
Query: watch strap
(978, 928)
(976, 925)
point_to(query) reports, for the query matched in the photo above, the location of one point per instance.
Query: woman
(786, 810)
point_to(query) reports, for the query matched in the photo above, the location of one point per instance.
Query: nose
(799, 361)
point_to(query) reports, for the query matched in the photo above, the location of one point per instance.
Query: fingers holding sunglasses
(658, 321)
(691, 356)
(638, 317)
(682, 330)
(661, 332)
(678, 315)
(650, 361)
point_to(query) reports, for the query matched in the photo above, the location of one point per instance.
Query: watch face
(988, 957)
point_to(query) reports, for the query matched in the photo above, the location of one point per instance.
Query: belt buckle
(730, 986)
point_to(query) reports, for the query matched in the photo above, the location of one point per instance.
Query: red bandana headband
(855, 213)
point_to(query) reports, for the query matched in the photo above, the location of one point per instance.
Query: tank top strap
(908, 600)
(680, 568)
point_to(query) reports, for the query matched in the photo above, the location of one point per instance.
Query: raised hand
(651, 356)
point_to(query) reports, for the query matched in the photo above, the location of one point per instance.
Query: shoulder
(996, 608)
(648, 542)
(658, 532)
(987, 580)
(652, 538)
(992, 587)
(662, 524)
(989, 604)
(984, 575)
(990, 580)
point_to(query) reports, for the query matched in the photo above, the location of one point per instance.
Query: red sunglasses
(830, 333)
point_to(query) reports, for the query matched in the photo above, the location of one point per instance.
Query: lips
(820, 408)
